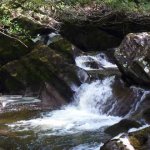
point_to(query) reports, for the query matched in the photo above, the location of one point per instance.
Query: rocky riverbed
(76, 83)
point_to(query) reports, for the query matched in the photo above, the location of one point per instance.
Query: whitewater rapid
(84, 114)
(100, 60)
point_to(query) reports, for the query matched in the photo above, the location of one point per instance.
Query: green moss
(135, 142)
(139, 138)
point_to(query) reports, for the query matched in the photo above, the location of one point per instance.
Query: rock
(11, 49)
(137, 140)
(88, 37)
(105, 72)
(124, 99)
(123, 126)
(113, 145)
(142, 110)
(92, 64)
(43, 72)
(132, 58)
(102, 30)
(146, 115)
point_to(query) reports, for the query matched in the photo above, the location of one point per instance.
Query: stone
(43, 72)
(132, 58)
(123, 126)
(138, 139)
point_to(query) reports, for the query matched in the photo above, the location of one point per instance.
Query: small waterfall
(84, 114)
(90, 111)
(93, 96)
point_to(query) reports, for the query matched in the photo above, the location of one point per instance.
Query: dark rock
(34, 26)
(102, 30)
(124, 98)
(113, 145)
(123, 126)
(132, 58)
(11, 49)
(88, 37)
(142, 111)
(139, 140)
(83, 75)
(44, 72)
(146, 115)
(92, 64)
(105, 72)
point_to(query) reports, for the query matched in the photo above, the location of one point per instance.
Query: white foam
(82, 115)
(124, 140)
(16, 99)
(127, 143)
(137, 129)
(101, 60)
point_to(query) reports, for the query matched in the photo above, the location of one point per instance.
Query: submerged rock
(132, 58)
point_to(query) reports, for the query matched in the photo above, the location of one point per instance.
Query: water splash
(7, 100)
(82, 115)
(100, 60)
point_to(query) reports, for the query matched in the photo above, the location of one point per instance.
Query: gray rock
(132, 58)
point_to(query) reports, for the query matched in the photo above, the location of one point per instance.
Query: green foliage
(12, 27)
(127, 5)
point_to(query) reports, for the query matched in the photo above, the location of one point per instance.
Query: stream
(77, 126)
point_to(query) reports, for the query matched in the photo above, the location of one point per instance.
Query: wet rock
(113, 145)
(138, 140)
(44, 73)
(92, 65)
(105, 72)
(123, 126)
(132, 58)
(146, 115)
(124, 99)
(142, 110)
(83, 75)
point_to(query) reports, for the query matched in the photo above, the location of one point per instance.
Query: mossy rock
(13, 116)
(40, 69)
(139, 140)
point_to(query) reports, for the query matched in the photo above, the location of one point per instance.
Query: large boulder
(43, 72)
(123, 126)
(132, 58)
(11, 49)
(101, 29)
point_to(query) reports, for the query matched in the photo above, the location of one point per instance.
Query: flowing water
(83, 117)
(77, 126)
(100, 61)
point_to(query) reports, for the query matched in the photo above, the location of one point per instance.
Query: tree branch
(16, 39)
